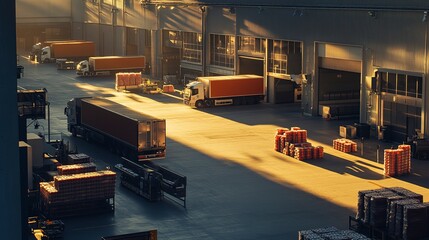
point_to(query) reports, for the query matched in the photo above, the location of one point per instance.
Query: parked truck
(224, 90)
(63, 51)
(131, 134)
(110, 64)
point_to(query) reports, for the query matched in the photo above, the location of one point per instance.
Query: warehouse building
(362, 58)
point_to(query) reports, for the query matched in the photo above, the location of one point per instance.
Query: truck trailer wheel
(199, 104)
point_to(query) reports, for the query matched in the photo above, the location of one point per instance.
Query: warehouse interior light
(425, 15)
(202, 8)
(172, 7)
(158, 7)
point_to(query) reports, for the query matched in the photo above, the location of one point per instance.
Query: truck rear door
(152, 134)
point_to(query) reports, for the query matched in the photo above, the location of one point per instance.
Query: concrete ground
(238, 186)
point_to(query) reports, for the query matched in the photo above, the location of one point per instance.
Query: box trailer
(68, 51)
(224, 90)
(110, 64)
(131, 134)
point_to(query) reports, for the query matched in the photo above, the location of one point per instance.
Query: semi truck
(131, 134)
(67, 51)
(224, 90)
(108, 65)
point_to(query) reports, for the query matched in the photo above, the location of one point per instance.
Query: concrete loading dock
(238, 186)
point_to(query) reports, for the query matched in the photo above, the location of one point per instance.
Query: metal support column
(11, 222)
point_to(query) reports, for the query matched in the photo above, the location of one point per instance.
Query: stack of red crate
(77, 191)
(397, 161)
(294, 143)
(344, 145)
(405, 166)
(76, 168)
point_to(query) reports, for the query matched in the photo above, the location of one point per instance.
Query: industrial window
(279, 52)
(401, 84)
(251, 44)
(172, 39)
(192, 47)
(222, 50)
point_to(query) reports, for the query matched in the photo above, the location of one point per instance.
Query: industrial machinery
(46, 229)
(152, 182)
(224, 90)
(131, 134)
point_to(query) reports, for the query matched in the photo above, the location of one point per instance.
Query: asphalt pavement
(238, 186)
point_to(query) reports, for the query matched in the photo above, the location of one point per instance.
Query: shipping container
(132, 134)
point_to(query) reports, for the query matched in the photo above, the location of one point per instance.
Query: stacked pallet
(397, 211)
(330, 233)
(78, 158)
(128, 80)
(344, 145)
(293, 142)
(83, 191)
(397, 161)
(76, 168)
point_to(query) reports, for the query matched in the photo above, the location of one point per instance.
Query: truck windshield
(187, 93)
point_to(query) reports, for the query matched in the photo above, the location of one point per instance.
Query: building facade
(370, 57)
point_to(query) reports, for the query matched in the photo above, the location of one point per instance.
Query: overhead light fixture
(425, 16)
(172, 7)
(158, 7)
(202, 8)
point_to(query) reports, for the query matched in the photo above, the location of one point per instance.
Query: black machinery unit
(152, 182)
(146, 235)
(32, 103)
(420, 149)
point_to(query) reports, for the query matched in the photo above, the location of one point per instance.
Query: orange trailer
(224, 90)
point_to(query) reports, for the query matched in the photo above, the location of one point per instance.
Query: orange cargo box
(234, 86)
(109, 63)
(73, 49)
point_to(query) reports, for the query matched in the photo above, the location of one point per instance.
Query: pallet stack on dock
(330, 233)
(77, 158)
(293, 142)
(398, 212)
(128, 80)
(344, 145)
(80, 193)
(397, 161)
(76, 168)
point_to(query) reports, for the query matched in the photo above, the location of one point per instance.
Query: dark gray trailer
(146, 235)
(131, 134)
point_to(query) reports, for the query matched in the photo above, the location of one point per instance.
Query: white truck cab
(46, 55)
(193, 94)
(82, 68)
